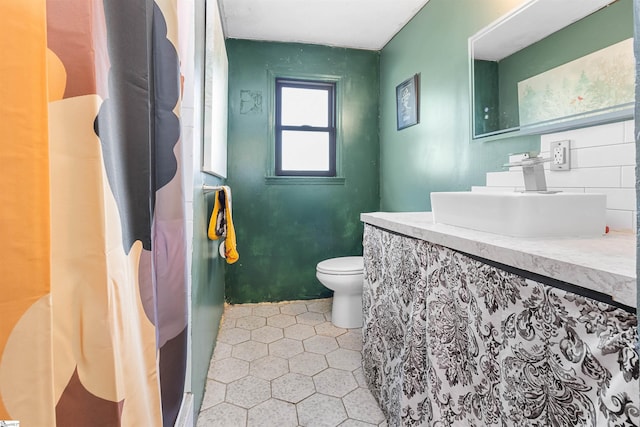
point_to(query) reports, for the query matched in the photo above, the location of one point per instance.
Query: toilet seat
(341, 266)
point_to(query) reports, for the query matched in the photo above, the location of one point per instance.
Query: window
(305, 128)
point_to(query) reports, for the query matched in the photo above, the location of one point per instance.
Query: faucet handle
(532, 171)
(526, 154)
(528, 158)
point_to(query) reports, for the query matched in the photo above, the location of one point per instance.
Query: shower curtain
(92, 261)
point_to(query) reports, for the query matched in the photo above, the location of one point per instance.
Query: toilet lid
(342, 265)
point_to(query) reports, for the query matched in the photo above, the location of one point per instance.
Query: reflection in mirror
(553, 65)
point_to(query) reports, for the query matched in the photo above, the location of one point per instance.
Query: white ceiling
(531, 22)
(358, 24)
(370, 24)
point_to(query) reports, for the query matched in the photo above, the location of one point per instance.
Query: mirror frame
(590, 118)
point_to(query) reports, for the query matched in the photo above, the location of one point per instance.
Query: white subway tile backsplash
(189, 234)
(617, 198)
(186, 135)
(545, 140)
(620, 220)
(186, 117)
(628, 176)
(629, 131)
(603, 160)
(187, 152)
(612, 133)
(606, 155)
(588, 177)
(505, 179)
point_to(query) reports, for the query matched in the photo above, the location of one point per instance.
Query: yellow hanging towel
(221, 224)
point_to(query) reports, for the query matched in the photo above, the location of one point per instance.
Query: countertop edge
(509, 251)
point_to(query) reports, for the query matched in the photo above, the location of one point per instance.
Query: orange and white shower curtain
(92, 256)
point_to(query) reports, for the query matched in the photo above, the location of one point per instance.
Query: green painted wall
(285, 227)
(207, 268)
(207, 291)
(437, 154)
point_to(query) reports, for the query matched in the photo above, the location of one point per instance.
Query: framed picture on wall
(407, 105)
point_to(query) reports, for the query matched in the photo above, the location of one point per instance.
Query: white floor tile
(286, 364)
(269, 367)
(335, 382)
(248, 392)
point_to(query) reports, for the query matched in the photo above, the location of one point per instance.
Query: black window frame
(330, 87)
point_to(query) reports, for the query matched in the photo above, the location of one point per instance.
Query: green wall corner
(286, 226)
(438, 153)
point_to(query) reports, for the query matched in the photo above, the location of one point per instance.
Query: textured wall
(284, 229)
(207, 269)
(437, 154)
(207, 295)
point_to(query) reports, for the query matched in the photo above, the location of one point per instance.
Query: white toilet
(344, 276)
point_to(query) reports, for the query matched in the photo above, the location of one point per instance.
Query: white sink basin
(523, 214)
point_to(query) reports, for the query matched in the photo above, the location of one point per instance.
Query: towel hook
(210, 188)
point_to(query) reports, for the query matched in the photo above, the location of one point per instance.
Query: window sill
(304, 180)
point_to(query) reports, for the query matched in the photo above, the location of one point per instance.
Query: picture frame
(407, 103)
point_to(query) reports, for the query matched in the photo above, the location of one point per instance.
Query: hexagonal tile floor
(285, 364)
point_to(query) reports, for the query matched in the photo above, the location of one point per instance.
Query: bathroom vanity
(468, 328)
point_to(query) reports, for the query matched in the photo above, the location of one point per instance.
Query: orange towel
(221, 224)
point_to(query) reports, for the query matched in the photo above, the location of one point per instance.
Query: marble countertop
(605, 264)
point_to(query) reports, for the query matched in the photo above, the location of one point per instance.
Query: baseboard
(185, 416)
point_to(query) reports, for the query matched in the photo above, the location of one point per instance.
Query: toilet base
(347, 311)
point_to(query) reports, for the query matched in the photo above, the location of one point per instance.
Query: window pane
(305, 151)
(305, 107)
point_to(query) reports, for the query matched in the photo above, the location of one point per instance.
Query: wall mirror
(216, 78)
(553, 65)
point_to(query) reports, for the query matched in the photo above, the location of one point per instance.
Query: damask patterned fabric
(451, 341)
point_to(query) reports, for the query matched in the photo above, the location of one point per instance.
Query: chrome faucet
(533, 171)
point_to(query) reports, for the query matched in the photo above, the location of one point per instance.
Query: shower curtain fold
(96, 252)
